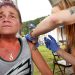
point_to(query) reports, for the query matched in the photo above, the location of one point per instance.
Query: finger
(51, 38)
(46, 41)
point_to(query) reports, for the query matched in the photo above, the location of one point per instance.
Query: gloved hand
(51, 43)
(32, 39)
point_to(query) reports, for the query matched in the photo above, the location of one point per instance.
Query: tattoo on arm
(72, 10)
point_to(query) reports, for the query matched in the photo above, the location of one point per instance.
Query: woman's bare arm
(39, 61)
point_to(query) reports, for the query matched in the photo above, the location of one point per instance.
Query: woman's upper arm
(39, 61)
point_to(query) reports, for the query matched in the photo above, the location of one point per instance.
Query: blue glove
(31, 39)
(51, 43)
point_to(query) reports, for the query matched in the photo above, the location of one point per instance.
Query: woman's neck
(8, 39)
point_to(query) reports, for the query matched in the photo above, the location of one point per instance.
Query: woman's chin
(8, 33)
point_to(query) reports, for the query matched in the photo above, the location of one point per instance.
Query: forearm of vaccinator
(65, 16)
(44, 26)
(68, 57)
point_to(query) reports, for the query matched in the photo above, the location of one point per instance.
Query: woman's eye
(1, 16)
(12, 16)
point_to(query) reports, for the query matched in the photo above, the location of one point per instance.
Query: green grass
(47, 55)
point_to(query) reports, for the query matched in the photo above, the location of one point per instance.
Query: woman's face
(9, 20)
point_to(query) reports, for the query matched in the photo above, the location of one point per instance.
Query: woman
(16, 54)
(68, 29)
(69, 32)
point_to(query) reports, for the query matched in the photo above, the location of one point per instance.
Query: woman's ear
(20, 27)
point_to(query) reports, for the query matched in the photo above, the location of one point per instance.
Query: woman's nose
(6, 19)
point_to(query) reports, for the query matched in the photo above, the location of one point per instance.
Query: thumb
(46, 41)
(51, 38)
